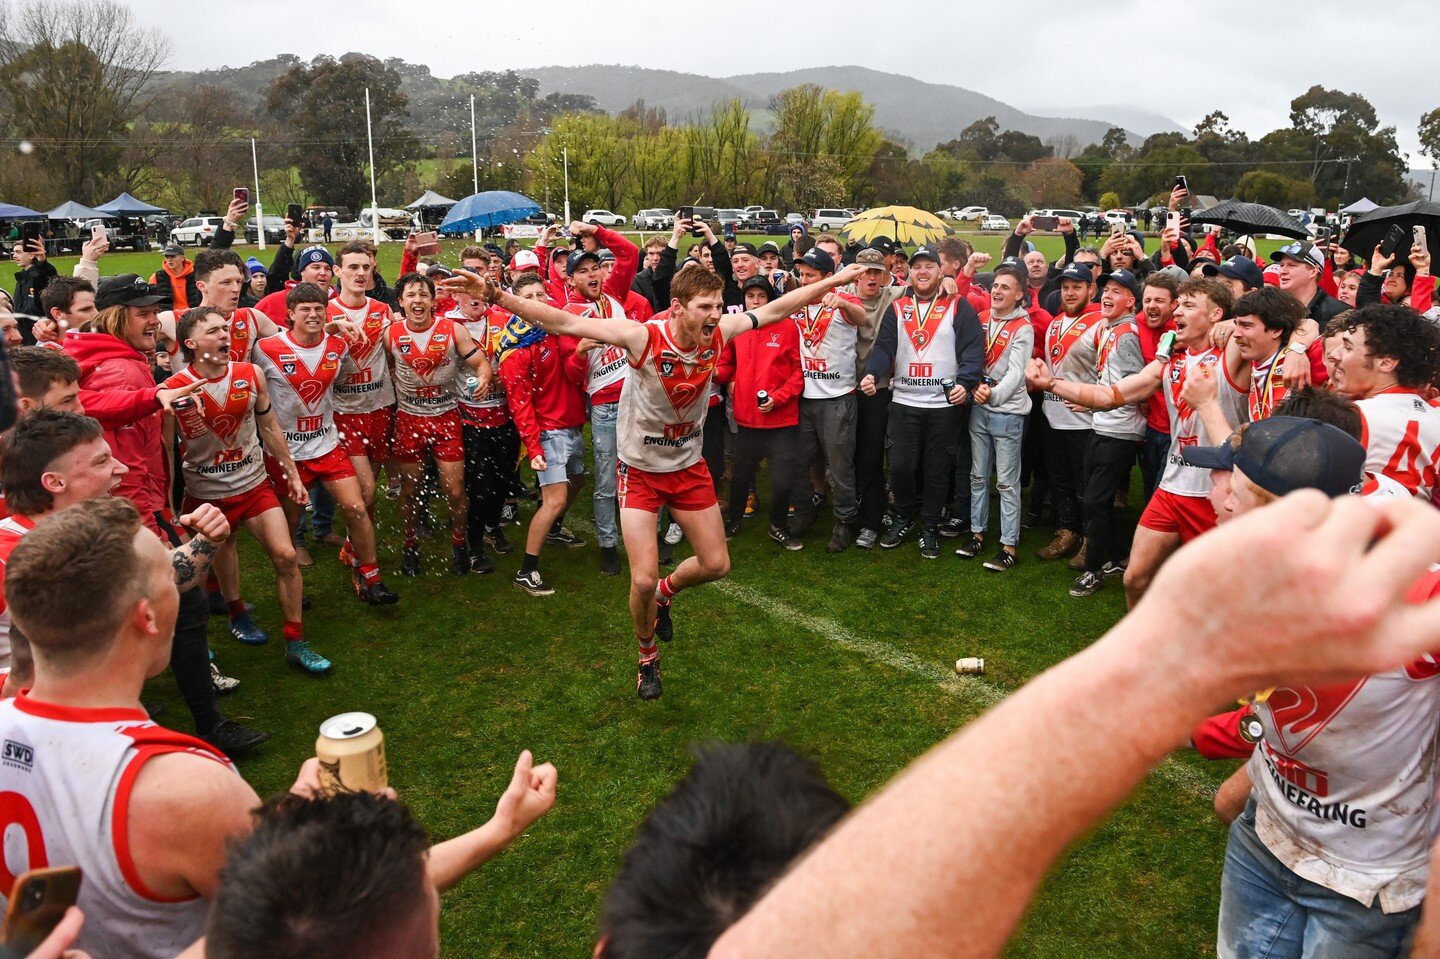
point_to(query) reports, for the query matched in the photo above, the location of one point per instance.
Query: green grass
(463, 674)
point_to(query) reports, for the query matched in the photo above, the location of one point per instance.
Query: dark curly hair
(1403, 335)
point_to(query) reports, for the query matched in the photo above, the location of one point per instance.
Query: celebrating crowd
(1282, 416)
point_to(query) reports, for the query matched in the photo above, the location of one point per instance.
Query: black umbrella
(1238, 216)
(1368, 229)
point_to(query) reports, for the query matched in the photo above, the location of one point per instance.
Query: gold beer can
(970, 666)
(351, 750)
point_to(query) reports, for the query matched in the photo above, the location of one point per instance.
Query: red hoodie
(617, 284)
(767, 359)
(540, 395)
(117, 388)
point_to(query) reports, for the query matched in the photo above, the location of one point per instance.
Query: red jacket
(622, 274)
(117, 388)
(273, 304)
(767, 359)
(540, 395)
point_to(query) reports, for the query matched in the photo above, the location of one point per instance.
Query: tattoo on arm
(191, 562)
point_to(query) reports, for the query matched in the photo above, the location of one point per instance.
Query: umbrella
(905, 225)
(480, 211)
(1238, 216)
(70, 210)
(1367, 230)
(127, 205)
(431, 201)
(1362, 205)
(12, 211)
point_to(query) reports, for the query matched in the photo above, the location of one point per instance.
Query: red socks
(235, 607)
(294, 632)
(370, 573)
(665, 591)
(648, 650)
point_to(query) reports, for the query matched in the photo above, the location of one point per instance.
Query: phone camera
(34, 895)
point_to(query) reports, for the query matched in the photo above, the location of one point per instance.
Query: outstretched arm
(624, 333)
(1132, 389)
(733, 324)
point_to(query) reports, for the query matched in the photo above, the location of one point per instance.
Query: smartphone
(1394, 237)
(30, 230)
(97, 232)
(1117, 227)
(1172, 220)
(242, 193)
(1322, 236)
(295, 213)
(1183, 184)
(37, 904)
(1045, 223)
(1417, 236)
(426, 244)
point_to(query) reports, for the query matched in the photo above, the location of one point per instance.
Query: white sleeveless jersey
(1345, 781)
(1072, 347)
(12, 529)
(1180, 477)
(828, 347)
(301, 381)
(606, 365)
(225, 459)
(365, 376)
(925, 351)
(244, 331)
(486, 334)
(426, 365)
(664, 402)
(66, 775)
(1401, 432)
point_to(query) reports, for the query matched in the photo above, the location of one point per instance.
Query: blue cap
(1078, 271)
(254, 265)
(313, 254)
(1285, 453)
(580, 256)
(926, 252)
(1125, 278)
(1240, 268)
(818, 259)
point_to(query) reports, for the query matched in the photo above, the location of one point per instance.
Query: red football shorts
(334, 465)
(440, 435)
(367, 434)
(238, 509)
(690, 489)
(1187, 515)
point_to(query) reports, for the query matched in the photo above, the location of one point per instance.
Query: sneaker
(496, 540)
(732, 529)
(647, 680)
(347, 555)
(674, 534)
(1087, 583)
(896, 534)
(971, 547)
(1112, 570)
(410, 561)
(929, 543)
(232, 739)
(1065, 543)
(300, 655)
(244, 630)
(1077, 562)
(563, 536)
(609, 561)
(1002, 561)
(510, 513)
(840, 538)
(303, 559)
(664, 625)
(866, 539)
(224, 685)
(533, 584)
(376, 593)
(752, 504)
(786, 539)
(480, 562)
(953, 528)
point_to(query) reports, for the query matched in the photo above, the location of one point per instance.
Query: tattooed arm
(192, 561)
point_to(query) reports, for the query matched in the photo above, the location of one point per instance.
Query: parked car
(966, 213)
(540, 219)
(603, 218)
(1119, 216)
(196, 231)
(656, 219)
(274, 230)
(730, 219)
(769, 222)
(829, 220)
(994, 221)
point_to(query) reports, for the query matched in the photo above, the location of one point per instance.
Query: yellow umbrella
(906, 225)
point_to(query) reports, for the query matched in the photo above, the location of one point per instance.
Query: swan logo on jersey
(1300, 714)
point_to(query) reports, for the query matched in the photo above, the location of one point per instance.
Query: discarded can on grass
(189, 417)
(351, 750)
(970, 666)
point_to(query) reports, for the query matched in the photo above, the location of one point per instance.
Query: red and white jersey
(1072, 347)
(1401, 433)
(828, 349)
(925, 351)
(224, 460)
(365, 377)
(606, 365)
(1267, 387)
(12, 528)
(301, 381)
(426, 364)
(493, 410)
(244, 331)
(1180, 477)
(1345, 781)
(66, 775)
(663, 405)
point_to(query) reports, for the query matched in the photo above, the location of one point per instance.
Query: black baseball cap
(127, 289)
(926, 252)
(1124, 277)
(578, 257)
(884, 244)
(1285, 453)
(770, 246)
(819, 259)
(758, 283)
(746, 248)
(1240, 268)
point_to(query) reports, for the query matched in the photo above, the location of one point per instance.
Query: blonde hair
(110, 320)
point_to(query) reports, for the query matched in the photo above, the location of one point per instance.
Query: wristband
(1297, 349)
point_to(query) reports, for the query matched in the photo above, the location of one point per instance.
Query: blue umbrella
(482, 211)
(11, 211)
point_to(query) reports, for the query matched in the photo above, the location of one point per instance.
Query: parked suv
(196, 231)
(274, 230)
(656, 219)
(603, 218)
(825, 221)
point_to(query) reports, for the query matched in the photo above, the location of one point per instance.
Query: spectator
(1157, 301)
(176, 277)
(1300, 264)
(872, 413)
(1393, 279)
(328, 225)
(645, 280)
(34, 272)
(257, 284)
(47, 379)
(68, 304)
(1044, 277)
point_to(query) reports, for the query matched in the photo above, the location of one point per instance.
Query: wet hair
(692, 283)
(1401, 334)
(362, 247)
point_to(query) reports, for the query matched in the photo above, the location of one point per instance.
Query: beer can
(351, 750)
(947, 384)
(189, 417)
(761, 396)
(970, 666)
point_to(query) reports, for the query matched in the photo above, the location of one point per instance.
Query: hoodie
(183, 291)
(117, 388)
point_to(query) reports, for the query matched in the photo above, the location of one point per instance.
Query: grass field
(847, 657)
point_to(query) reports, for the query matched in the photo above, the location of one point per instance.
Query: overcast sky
(1024, 54)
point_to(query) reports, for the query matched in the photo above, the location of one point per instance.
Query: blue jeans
(1152, 459)
(1268, 912)
(995, 441)
(602, 434)
(320, 517)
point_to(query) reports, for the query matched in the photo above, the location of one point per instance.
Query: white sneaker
(222, 684)
(674, 534)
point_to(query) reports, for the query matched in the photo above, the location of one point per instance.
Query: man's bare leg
(637, 529)
(1150, 549)
(273, 534)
